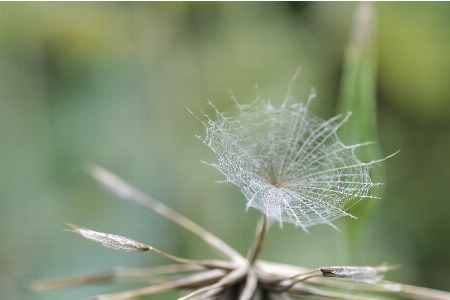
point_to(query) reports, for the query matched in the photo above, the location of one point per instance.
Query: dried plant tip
(110, 240)
(360, 274)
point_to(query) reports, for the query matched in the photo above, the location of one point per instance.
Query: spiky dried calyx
(236, 277)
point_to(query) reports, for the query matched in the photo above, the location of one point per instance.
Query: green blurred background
(110, 82)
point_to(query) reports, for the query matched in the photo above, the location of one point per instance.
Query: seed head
(288, 163)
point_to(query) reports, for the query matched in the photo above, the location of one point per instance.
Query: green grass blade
(358, 94)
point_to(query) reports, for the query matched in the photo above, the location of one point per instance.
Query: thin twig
(256, 247)
(226, 280)
(191, 281)
(251, 284)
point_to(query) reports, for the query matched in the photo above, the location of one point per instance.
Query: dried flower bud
(361, 274)
(110, 240)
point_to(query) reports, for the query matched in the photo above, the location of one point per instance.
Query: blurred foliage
(357, 93)
(109, 83)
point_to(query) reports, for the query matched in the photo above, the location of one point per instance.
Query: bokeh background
(110, 82)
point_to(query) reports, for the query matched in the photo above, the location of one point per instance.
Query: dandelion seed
(288, 163)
